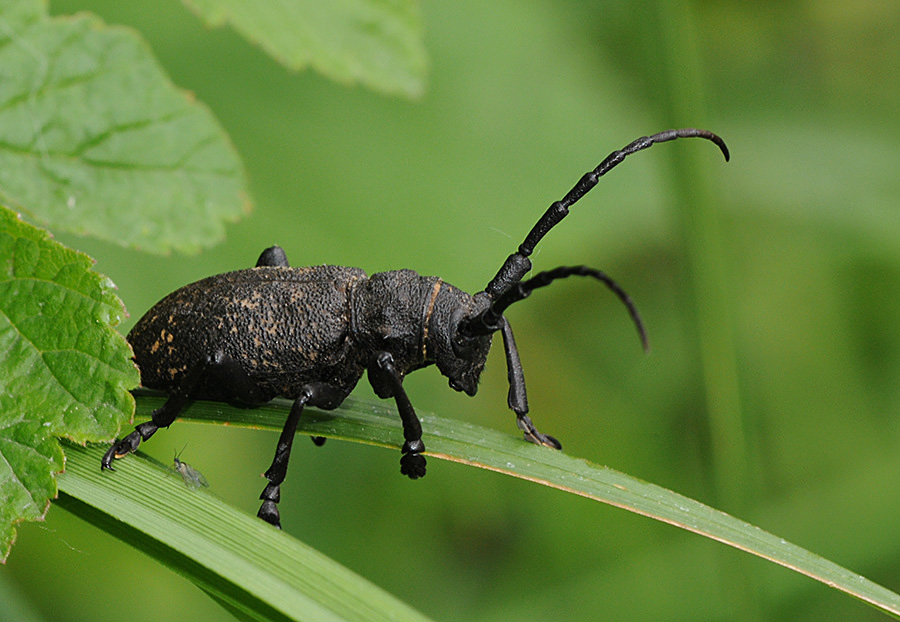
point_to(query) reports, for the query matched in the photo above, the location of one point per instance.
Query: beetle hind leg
(130, 443)
(217, 370)
(273, 256)
(161, 418)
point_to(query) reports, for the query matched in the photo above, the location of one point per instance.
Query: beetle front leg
(518, 400)
(387, 382)
(318, 394)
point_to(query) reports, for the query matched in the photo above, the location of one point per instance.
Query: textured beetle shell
(390, 315)
(284, 326)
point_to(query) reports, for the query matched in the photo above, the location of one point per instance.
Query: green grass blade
(252, 569)
(705, 241)
(376, 423)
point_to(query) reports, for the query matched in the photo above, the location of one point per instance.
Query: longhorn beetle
(308, 334)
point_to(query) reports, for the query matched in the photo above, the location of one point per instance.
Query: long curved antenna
(517, 265)
(491, 319)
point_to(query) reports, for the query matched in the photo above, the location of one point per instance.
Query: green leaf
(375, 42)
(95, 139)
(377, 424)
(251, 568)
(64, 370)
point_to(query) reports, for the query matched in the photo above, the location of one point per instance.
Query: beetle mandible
(309, 334)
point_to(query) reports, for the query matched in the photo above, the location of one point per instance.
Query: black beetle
(308, 334)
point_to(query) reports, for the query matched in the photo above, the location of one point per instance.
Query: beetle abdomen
(283, 326)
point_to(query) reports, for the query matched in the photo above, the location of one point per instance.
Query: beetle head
(459, 357)
(459, 328)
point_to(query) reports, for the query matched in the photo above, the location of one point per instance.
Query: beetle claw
(532, 434)
(543, 439)
(120, 449)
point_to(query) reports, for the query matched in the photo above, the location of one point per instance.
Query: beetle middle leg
(274, 256)
(387, 382)
(317, 394)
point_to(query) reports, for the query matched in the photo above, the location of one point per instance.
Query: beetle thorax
(389, 314)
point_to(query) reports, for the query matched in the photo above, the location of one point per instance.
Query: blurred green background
(770, 287)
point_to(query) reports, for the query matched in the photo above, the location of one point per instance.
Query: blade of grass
(247, 565)
(675, 52)
(705, 240)
(376, 423)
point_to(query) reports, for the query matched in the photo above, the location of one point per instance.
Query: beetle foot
(120, 449)
(268, 511)
(412, 463)
(318, 441)
(533, 436)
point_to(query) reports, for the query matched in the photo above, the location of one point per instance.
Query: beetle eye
(463, 347)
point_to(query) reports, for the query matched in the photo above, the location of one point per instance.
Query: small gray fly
(193, 478)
